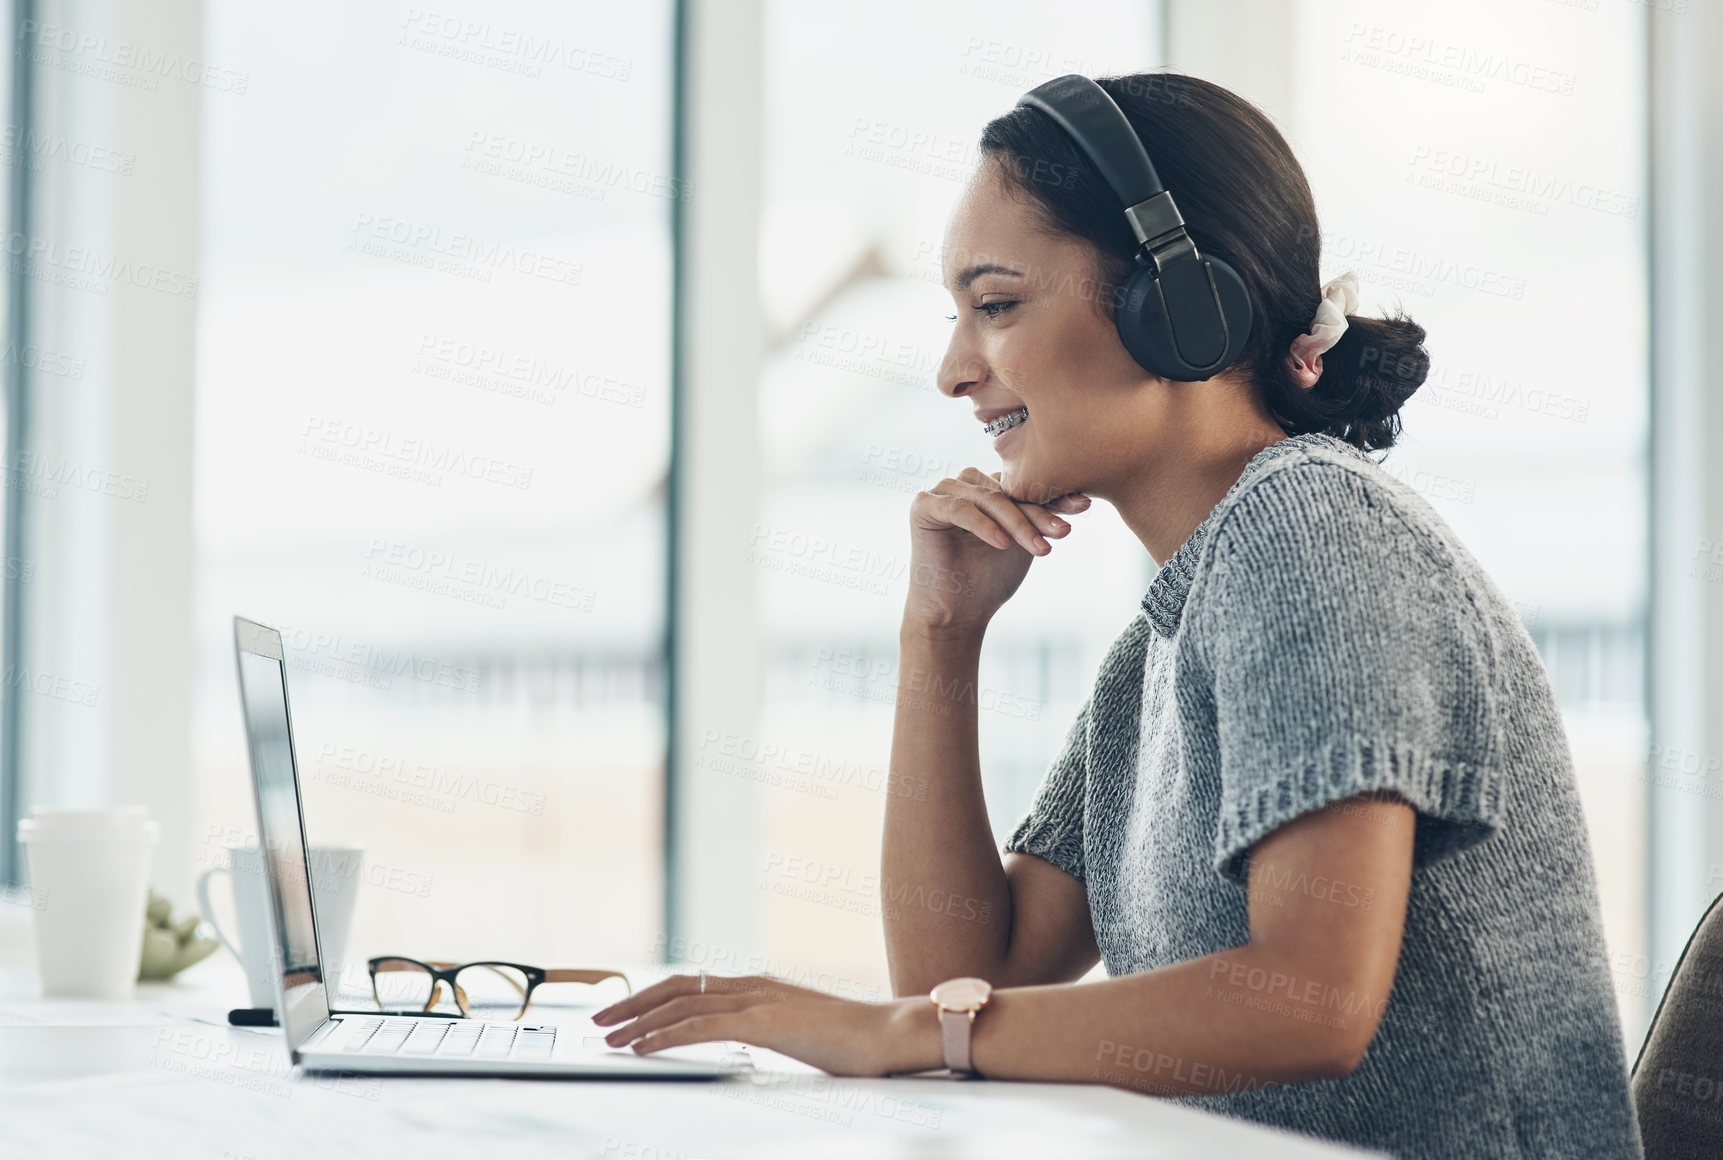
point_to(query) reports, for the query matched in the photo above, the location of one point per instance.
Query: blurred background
(557, 376)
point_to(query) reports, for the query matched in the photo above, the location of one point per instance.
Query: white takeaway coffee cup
(90, 869)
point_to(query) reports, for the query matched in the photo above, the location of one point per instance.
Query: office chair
(1678, 1077)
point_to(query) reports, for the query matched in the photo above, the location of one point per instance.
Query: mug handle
(208, 911)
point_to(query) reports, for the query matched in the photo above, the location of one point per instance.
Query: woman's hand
(970, 547)
(842, 1036)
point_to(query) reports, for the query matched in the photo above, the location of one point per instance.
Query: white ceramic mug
(334, 886)
(92, 870)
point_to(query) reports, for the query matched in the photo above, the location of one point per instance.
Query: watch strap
(955, 1028)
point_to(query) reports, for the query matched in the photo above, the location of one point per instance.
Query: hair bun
(1368, 375)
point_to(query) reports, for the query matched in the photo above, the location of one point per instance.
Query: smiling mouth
(1006, 422)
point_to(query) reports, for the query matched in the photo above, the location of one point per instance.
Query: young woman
(1318, 816)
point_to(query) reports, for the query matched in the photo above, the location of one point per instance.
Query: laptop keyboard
(449, 1038)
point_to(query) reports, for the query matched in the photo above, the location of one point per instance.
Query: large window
(1483, 166)
(866, 154)
(432, 442)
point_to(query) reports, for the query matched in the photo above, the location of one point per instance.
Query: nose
(960, 369)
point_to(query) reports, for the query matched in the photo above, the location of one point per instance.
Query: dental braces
(1006, 422)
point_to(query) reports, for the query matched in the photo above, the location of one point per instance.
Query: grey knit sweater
(1320, 634)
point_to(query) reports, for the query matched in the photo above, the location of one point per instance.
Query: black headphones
(1182, 316)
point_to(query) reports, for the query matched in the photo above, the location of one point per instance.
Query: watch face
(962, 994)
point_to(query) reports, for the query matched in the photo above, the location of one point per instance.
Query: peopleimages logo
(35, 147)
(45, 684)
(82, 268)
(122, 61)
(538, 157)
(374, 232)
(502, 371)
(447, 784)
(307, 648)
(356, 445)
(49, 475)
(1515, 186)
(521, 50)
(444, 569)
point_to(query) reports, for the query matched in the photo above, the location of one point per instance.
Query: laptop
(320, 1039)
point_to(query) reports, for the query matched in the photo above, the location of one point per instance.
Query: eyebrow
(970, 275)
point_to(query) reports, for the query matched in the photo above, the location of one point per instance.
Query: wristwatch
(958, 1000)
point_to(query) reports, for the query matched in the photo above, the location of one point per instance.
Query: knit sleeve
(1053, 828)
(1346, 656)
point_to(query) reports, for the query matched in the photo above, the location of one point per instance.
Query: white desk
(165, 1076)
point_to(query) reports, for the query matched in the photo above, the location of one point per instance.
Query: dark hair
(1244, 199)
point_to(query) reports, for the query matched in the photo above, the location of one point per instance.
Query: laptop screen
(281, 830)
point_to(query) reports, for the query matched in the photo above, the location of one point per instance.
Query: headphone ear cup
(1168, 321)
(1235, 305)
(1141, 318)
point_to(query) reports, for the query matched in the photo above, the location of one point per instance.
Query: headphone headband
(1182, 315)
(1096, 123)
(1094, 120)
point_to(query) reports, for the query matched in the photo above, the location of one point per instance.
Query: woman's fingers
(664, 990)
(1045, 521)
(744, 989)
(700, 1029)
(647, 998)
(1041, 514)
(977, 503)
(962, 512)
(998, 507)
(1071, 502)
(675, 1011)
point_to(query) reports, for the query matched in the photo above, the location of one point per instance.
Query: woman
(1318, 816)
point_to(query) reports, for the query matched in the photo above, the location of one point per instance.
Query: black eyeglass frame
(442, 973)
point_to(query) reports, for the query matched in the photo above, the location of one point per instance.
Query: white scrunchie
(1339, 298)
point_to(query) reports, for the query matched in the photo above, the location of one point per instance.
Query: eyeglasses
(498, 991)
